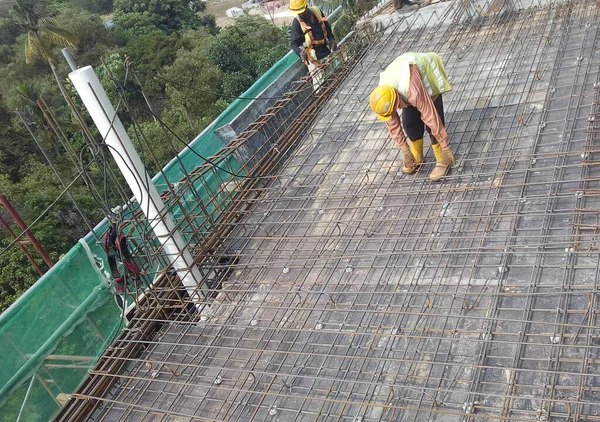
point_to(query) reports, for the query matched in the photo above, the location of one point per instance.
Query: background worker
(414, 83)
(311, 35)
(398, 4)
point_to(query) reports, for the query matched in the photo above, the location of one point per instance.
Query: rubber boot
(443, 159)
(416, 147)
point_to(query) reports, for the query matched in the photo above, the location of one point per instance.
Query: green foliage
(8, 31)
(16, 273)
(159, 53)
(5, 9)
(342, 26)
(267, 58)
(194, 80)
(98, 7)
(43, 33)
(209, 22)
(246, 50)
(197, 6)
(129, 25)
(236, 83)
(163, 150)
(149, 54)
(15, 146)
(258, 33)
(31, 196)
(95, 6)
(226, 52)
(95, 41)
(111, 73)
(167, 15)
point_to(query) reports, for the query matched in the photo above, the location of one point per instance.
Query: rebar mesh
(349, 291)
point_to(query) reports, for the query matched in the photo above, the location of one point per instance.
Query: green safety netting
(53, 334)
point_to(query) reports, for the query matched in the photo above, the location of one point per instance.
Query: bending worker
(415, 82)
(311, 35)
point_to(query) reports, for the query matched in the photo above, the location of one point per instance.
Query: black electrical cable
(188, 145)
(121, 89)
(108, 213)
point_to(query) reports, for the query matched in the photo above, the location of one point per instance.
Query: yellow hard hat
(298, 6)
(382, 101)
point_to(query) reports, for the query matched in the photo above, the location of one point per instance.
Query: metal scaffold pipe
(115, 136)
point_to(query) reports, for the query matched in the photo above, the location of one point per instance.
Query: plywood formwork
(354, 292)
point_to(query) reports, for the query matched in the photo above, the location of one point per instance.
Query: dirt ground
(272, 11)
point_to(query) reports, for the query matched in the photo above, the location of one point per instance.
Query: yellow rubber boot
(444, 159)
(416, 147)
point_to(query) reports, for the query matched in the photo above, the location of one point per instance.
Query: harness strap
(115, 246)
(308, 33)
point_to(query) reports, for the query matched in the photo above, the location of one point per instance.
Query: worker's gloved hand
(409, 165)
(333, 45)
(448, 156)
(303, 55)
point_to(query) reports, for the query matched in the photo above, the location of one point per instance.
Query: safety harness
(309, 40)
(115, 246)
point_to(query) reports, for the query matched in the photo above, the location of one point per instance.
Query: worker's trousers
(413, 126)
(320, 74)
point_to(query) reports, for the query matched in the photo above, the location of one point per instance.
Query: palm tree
(43, 33)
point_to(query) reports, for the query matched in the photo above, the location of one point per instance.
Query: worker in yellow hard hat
(414, 83)
(311, 35)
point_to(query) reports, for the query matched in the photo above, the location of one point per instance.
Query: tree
(209, 22)
(236, 83)
(4, 9)
(133, 24)
(95, 6)
(254, 45)
(193, 83)
(99, 7)
(167, 15)
(226, 52)
(14, 146)
(29, 92)
(8, 31)
(57, 230)
(95, 41)
(197, 6)
(149, 54)
(43, 34)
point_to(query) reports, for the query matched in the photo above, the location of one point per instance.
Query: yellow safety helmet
(298, 6)
(382, 100)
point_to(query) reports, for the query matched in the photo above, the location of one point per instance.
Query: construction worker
(398, 4)
(311, 35)
(414, 83)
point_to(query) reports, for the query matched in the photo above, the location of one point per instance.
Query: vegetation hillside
(166, 64)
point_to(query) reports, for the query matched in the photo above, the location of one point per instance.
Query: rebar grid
(349, 291)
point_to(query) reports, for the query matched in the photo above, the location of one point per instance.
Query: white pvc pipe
(113, 133)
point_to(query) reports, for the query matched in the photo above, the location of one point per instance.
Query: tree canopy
(166, 15)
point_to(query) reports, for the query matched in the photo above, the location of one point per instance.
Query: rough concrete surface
(363, 294)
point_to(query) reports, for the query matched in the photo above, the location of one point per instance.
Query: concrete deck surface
(362, 294)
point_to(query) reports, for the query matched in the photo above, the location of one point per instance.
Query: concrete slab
(362, 294)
